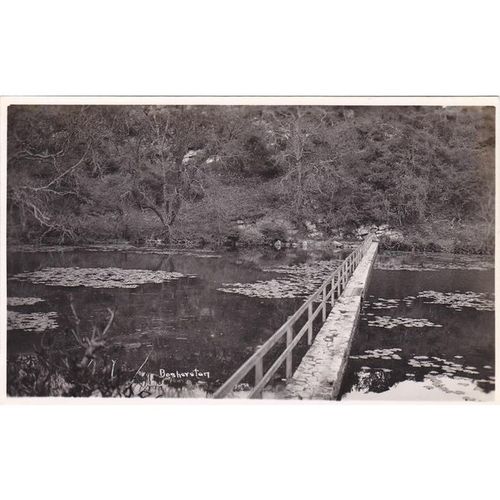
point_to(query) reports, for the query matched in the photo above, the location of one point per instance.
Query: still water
(188, 310)
(426, 331)
(209, 311)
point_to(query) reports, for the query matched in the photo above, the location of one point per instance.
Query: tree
(87, 173)
(168, 162)
(46, 148)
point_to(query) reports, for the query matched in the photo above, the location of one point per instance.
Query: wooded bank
(195, 175)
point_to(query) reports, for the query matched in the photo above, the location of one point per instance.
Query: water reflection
(405, 355)
(179, 324)
(410, 345)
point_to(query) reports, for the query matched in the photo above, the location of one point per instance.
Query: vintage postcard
(274, 248)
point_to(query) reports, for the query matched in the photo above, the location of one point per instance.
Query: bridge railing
(326, 294)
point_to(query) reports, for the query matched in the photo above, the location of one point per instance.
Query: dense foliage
(187, 173)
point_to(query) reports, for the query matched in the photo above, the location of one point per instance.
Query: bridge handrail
(337, 282)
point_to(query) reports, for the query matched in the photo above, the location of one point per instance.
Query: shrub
(250, 235)
(274, 229)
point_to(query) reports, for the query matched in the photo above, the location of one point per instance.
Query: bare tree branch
(110, 320)
(66, 172)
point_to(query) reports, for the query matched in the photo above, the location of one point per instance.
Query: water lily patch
(107, 277)
(390, 322)
(299, 280)
(32, 322)
(23, 301)
(457, 300)
(392, 353)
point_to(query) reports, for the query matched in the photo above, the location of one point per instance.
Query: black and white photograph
(249, 250)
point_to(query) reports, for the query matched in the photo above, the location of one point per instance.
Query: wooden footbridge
(320, 372)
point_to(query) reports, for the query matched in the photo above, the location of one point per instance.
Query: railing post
(289, 336)
(310, 323)
(324, 303)
(333, 291)
(259, 370)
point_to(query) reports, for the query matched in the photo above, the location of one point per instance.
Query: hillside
(193, 175)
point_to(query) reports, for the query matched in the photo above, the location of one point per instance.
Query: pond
(426, 331)
(179, 310)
